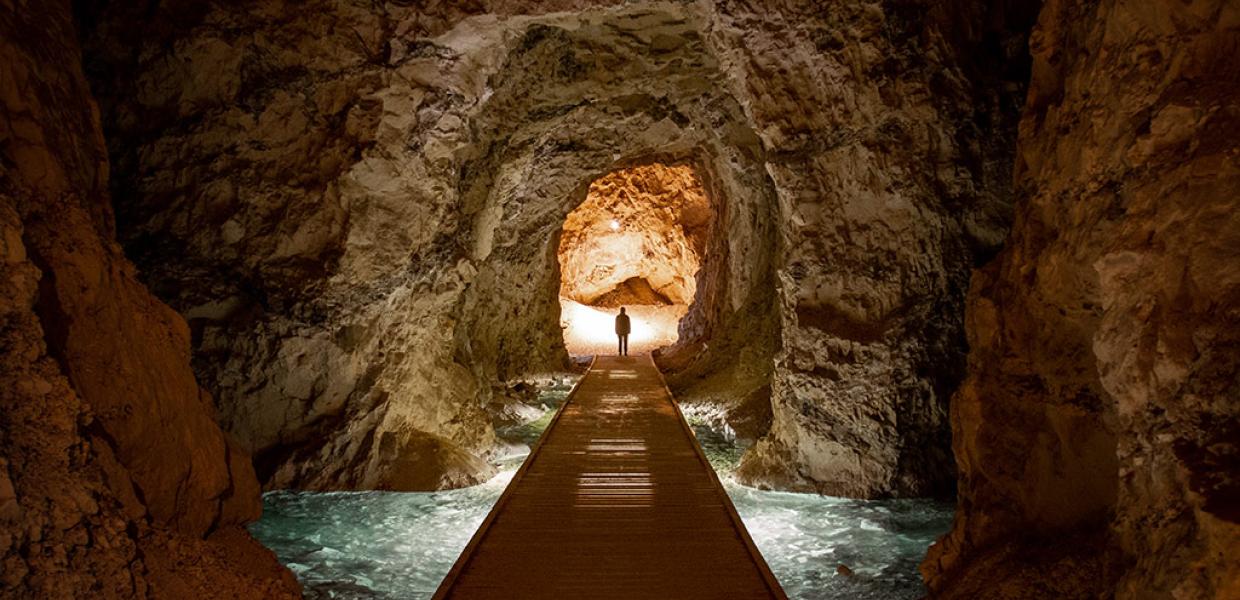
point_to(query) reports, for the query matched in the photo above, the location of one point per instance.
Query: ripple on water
(373, 544)
(805, 538)
(401, 545)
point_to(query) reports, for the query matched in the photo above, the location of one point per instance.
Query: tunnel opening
(359, 212)
(639, 241)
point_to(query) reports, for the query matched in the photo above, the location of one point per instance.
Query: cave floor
(617, 500)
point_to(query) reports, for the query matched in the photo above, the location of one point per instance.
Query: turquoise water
(806, 537)
(400, 545)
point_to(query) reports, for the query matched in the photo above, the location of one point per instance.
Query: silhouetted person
(623, 327)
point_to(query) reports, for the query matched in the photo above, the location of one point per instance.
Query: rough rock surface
(634, 290)
(357, 206)
(111, 457)
(639, 233)
(446, 159)
(1097, 433)
(888, 153)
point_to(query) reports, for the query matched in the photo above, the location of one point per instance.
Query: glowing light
(615, 225)
(586, 324)
(589, 330)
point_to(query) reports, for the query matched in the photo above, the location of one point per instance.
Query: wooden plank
(617, 500)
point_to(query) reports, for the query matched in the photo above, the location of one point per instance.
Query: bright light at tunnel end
(615, 225)
(590, 330)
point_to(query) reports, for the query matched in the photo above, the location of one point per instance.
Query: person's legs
(619, 345)
(624, 342)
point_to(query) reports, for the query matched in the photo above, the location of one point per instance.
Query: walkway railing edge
(467, 553)
(767, 575)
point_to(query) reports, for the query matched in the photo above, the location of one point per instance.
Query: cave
(636, 242)
(941, 295)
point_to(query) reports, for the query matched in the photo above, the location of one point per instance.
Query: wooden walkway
(616, 501)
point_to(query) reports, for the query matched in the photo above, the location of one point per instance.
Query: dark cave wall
(890, 146)
(1096, 430)
(114, 472)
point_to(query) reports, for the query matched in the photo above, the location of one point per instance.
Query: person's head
(621, 310)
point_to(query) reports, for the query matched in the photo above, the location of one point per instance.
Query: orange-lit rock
(648, 223)
(636, 241)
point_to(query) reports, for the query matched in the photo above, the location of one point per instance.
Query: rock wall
(649, 223)
(113, 472)
(1096, 432)
(357, 207)
(889, 150)
(449, 155)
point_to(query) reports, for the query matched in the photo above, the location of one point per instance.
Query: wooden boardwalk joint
(616, 500)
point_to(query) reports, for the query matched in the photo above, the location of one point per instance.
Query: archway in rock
(304, 185)
(637, 241)
(354, 322)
